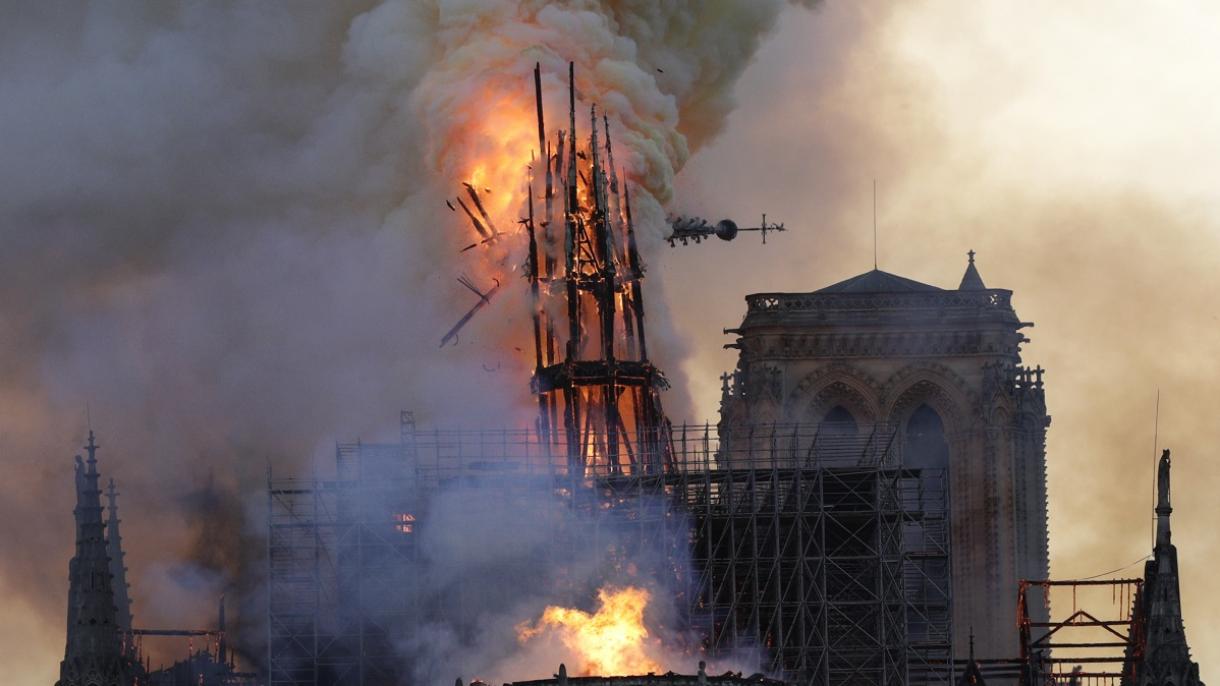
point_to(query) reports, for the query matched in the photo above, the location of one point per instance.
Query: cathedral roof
(877, 281)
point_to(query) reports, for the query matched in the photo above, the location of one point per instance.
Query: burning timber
(598, 392)
(592, 375)
(702, 678)
(669, 679)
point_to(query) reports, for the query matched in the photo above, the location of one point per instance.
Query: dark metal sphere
(726, 230)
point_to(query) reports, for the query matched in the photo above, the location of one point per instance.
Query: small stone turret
(971, 280)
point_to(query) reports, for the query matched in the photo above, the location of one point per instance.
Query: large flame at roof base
(612, 641)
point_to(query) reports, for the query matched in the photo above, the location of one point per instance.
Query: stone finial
(971, 281)
(1163, 509)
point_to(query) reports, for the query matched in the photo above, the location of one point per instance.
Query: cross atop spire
(973, 676)
(970, 254)
(92, 447)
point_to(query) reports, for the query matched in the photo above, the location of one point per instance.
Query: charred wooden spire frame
(587, 291)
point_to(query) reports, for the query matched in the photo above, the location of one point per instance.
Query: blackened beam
(474, 195)
(484, 299)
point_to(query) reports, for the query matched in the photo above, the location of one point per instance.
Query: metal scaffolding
(822, 556)
(1096, 643)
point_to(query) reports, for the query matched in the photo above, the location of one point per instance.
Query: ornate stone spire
(1164, 658)
(973, 676)
(118, 570)
(971, 281)
(93, 654)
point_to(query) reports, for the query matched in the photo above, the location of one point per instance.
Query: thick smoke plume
(222, 229)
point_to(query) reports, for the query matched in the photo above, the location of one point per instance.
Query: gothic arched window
(838, 422)
(926, 448)
(925, 445)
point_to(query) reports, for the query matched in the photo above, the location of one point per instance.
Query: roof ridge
(878, 281)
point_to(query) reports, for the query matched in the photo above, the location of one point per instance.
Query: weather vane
(687, 229)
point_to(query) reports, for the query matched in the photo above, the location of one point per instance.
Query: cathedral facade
(936, 374)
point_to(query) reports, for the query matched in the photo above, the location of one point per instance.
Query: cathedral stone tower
(936, 373)
(94, 652)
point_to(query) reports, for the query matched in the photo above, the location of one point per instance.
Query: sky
(1072, 146)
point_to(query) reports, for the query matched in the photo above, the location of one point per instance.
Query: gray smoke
(221, 229)
(493, 554)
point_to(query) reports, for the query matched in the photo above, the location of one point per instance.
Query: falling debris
(484, 299)
(482, 223)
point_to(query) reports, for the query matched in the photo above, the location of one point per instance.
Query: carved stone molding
(994, 299)
(837, 383)
(921, 344)
(931, 383)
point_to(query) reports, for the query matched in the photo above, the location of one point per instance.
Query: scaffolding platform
(822, 556)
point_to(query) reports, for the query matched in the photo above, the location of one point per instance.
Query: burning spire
(591, 359)
(599, 404)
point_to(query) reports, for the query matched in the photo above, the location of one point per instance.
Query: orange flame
(612, 641)
(498, 146)
(490, 147)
